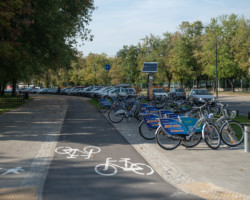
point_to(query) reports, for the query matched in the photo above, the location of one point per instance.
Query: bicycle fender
(120, 112)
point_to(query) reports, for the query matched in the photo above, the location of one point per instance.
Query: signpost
(150, 68)
(107, 68)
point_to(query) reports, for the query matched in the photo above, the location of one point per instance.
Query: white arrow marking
(13, 170)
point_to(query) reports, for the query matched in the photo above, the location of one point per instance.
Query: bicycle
(103, 105)
(231, 131)
(109, 168)
(150, 121)
(72, 153)
(117, 112)
(171, 133)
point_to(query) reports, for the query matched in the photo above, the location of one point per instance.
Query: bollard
(246, 139)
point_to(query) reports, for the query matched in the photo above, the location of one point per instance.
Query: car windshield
(159, 90)
(202, 92)
(180, 90)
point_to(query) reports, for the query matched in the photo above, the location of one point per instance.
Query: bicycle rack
(247, 138)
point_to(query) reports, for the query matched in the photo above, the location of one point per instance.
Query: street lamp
(216, 66)
(95, 73)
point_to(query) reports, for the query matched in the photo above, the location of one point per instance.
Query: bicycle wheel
(100, 169)
(102, 109)
(145, 131)
(113, 116)
(142, 169)
(166, 141)
(63, 150)
(212, 136)
(194, 140)
(92, 149)
(232, 133)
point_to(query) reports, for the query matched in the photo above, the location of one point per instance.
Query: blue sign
(105, 102)
(173, 127)
(164, 113)
(190, 123)
(151, 121)
(107, 67)
(151, 110)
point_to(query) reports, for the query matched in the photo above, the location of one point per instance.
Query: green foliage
(37, 36)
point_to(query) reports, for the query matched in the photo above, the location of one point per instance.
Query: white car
(200, 96)
(159, 92)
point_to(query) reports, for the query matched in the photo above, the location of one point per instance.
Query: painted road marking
(109, 168)
(13, 170)
(87, 152)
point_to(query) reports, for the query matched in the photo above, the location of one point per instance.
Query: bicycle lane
(74, 175)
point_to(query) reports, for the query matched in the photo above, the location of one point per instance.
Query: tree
(182, 60)
(38, 35)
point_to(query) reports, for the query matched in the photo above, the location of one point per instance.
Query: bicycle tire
(146, 132)
(232, 135)
(115, 118)
(64, 150)
(95, 149)
(99, 169)
(101, 108)
(194, 140)
(149, 170)
(165, 140)
(212, 136)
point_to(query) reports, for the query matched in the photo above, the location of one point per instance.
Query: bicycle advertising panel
(151, 121)
(173, 127)
(105, 102)
(151, 110)
(190, 123)
(164, 113)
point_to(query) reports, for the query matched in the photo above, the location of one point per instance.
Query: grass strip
(9, 102)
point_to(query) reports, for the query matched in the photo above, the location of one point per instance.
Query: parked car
(159, 92)
(200, 96)
(177, 93)
(113, 93)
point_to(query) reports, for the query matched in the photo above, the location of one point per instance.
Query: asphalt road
(73, 175)
(240, 103)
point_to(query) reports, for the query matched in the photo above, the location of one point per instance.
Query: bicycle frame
(126, 167)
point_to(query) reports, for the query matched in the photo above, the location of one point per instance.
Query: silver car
(200, 96)
(177, 93)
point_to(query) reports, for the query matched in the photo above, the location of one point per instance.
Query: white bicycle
(73, 153)
(110, 169)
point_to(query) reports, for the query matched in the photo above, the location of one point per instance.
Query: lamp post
(216, 66)
(95, 73)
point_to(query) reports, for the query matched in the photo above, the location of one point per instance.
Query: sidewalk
(222, 174)
(28, 136)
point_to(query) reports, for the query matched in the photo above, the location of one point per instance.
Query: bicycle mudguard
(190, 122)
(105, 102)
(173, 127)
(152, 121)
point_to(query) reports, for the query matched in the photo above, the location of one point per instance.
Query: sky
(125, 22)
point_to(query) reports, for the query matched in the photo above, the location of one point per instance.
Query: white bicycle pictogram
(110, 169)
(73, 153)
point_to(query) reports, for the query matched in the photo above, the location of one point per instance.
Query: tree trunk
(232, 84)
(14, 81)
(3, 85)
(197, 82)
(169, 77)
